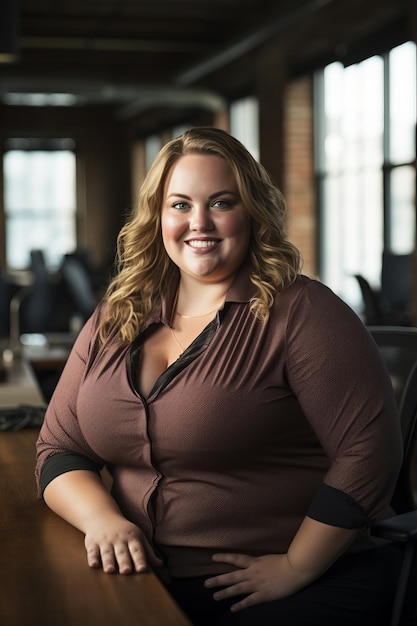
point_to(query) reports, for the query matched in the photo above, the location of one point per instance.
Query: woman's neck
(197, 299)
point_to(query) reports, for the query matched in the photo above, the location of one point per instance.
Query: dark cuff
(63, 462)
(336, 508)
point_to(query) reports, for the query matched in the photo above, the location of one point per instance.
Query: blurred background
(322, 92)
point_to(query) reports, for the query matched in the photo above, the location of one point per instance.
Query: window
(244, 123)
(153, 145)
(401, 148)
(39, 201)
(365, 151)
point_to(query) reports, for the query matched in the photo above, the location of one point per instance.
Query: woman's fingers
(138, 556)
(108, 560)
(239, 560)
(242, 561)
(93, 555)
(122, 557)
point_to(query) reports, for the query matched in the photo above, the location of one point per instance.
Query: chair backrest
(406, 493)
(398, 347)
(38, 265)
(372, 310)
(5, 297)
(37, 311)
(79, 285)
(397, 279)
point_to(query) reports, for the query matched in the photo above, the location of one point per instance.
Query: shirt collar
(242, 288)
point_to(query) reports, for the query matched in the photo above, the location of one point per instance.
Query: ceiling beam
(108, 44)
(250, 42)
(178, 97)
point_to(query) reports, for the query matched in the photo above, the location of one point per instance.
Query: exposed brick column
(299, 182)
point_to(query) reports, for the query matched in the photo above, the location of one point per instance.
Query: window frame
(387, 169)
(35, 145)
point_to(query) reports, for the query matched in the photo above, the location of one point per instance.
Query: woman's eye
(221, 204)
(181, 206)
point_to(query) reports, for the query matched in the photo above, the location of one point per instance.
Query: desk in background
(19, 386)
(33, 367)
(44, 577)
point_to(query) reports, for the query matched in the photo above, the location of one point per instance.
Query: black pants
(356, 591)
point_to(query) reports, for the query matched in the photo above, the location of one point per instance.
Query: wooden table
(44, 577)
(20, 387)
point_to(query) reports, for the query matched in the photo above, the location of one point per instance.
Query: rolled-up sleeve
(60, 432)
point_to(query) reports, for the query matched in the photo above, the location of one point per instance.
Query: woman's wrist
(316, 546)
(301, 577)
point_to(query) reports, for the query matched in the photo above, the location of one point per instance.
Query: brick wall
(298, 179)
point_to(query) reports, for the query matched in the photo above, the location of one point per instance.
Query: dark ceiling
(138, 53)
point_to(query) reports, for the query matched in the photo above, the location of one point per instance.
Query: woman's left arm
(337, 374)
(315, 547)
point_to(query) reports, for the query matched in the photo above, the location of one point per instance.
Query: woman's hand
(116, 545)
(112, 542)
(260, 579)
(272, 577)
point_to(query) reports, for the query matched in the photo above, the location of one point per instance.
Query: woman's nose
(200, 219)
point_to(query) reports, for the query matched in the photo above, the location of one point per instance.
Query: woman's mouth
(201, 244)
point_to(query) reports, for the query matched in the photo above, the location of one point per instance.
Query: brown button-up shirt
(254, 427)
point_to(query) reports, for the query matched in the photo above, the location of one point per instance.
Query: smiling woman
(206, 232)
(243, 410)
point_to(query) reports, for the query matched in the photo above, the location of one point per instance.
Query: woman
(241, 408)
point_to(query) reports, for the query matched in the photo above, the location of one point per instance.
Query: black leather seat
(398, 346)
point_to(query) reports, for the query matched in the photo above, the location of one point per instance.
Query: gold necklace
(176, 340)
(192, 317)
(188, 317)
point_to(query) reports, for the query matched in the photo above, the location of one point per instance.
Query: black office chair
(38, 307)
(392, 304)
(79, 285)
(398, 346)
(397, 287)
(5, 297)
(372, 311)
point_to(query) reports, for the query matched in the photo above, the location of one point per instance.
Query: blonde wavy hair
(144, 269)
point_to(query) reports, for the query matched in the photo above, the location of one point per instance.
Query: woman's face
(205, 226)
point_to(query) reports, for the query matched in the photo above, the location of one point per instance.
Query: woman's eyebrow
(213, 195)
(178, 195)
(222, 193)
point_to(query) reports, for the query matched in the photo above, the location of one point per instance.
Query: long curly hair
(144, 269)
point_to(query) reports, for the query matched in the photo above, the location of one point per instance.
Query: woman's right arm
(111, 541)
(68, 485)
